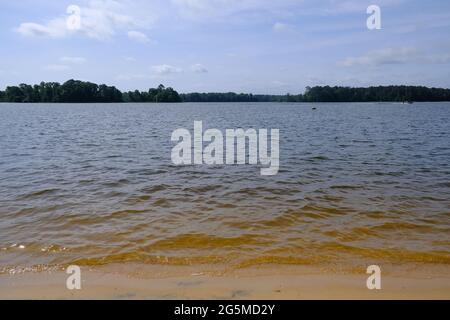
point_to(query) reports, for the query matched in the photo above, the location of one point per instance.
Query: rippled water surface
(93, 184)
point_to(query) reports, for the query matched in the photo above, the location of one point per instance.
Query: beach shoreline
(132, 281)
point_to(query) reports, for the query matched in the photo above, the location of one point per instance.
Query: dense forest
(76, 91)
(81, 92)
(373, 94)
(332, 94)
(232, 97)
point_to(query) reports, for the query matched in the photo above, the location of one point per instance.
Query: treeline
(76, 91)
(160, 94)
(332, 94)
(374, 94)
(80, 91)
(231, 97)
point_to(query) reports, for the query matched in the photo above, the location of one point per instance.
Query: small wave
(349, 187)
(162, 202)
(35, 194)
(225, 205)
(205, 241)
(117, 183)
(154, 189)
(203, 189)
(317, 158)
(268, 259)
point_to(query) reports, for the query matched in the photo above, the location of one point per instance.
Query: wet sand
(266, 282)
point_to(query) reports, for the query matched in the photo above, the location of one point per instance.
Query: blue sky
(254, 46)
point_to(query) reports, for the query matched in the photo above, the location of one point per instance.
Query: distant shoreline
(75, 91)
(227, 102)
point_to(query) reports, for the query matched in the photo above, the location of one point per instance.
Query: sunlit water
(94, 184)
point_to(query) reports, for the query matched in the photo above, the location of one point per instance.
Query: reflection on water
(94, 184)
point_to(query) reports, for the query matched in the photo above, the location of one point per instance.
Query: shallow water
(94, 184)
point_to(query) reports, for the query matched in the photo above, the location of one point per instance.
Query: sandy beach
(129, 281)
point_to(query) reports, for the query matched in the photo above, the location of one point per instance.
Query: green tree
(14, 94)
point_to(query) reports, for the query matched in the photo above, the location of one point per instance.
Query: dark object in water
(314, 108)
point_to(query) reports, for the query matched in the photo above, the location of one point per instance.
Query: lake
(94, 184)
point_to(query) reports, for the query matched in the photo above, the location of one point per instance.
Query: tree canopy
(331, 94)
(76, 91)
(160, 94)
(374, 94)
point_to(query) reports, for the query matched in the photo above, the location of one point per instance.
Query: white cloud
(73, 60)
(138, 36)
(54, 29)
(383, 57)
(57, 67)
(165, 69)
(100, 19)
(199, 68)
(279, 26)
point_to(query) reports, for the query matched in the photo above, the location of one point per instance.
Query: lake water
(94, 184)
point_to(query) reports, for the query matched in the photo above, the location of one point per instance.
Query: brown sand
(128, 281)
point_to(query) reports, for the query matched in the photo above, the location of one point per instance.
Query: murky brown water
(94, 184)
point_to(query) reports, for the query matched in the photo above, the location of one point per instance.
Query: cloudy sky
(254, 46)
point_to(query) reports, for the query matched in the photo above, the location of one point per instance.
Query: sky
(265, 46)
